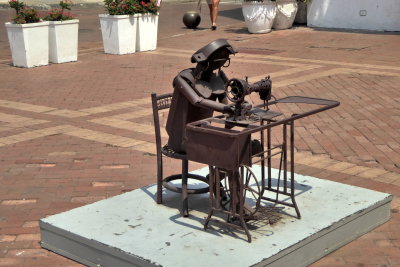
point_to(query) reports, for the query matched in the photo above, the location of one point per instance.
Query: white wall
(380, 15)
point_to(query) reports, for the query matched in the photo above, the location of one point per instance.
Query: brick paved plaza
(75, 133)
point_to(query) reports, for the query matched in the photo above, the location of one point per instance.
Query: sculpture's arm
(196, 100)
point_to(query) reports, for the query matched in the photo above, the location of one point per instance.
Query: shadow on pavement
(235, 13)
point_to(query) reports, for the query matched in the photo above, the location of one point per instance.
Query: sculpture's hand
(229, 109)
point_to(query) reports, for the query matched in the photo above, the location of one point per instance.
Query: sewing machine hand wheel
(235, 90)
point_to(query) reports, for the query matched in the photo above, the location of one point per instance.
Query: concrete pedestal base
(132, 230)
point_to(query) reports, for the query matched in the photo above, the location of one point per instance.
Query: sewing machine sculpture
(225, 144)
(237, 89)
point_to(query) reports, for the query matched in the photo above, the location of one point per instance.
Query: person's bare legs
(214, 13)
(210, 6)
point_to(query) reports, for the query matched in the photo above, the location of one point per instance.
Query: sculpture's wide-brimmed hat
(204, 53)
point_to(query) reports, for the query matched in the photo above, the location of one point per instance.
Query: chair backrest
(159, 103)
(162, 101)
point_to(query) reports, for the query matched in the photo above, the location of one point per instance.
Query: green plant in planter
(24, 14)
(130, 7)
(59, 14)
(122, 7)
(149, 6)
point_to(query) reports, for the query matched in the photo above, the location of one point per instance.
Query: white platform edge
(303, 253)
(330, 239)
(85, 251)
(309, 250)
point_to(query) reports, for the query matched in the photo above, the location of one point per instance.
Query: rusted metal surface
(198, 91)
(226, 143)
(252, 127)
(163, 102)
(225, 146)
(217, 150)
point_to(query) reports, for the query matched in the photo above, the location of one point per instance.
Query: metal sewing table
(226, 146)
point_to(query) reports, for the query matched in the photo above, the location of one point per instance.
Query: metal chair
(162, 102)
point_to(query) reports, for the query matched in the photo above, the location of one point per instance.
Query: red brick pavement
(72, 134)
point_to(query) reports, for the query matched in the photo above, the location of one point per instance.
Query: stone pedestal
(132, 230)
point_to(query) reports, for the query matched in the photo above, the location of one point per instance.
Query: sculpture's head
(212, 56)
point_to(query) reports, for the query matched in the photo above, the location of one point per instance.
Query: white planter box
(146, 38)
(29, 43)
(119, 33)
(259, 16)
(63, 41)
(285, 14)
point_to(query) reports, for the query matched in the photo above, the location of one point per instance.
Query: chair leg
(159, 179)
(185, 208)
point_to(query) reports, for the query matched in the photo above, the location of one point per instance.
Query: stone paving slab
(131, 229)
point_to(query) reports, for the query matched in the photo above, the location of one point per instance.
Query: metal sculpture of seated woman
(199, 91)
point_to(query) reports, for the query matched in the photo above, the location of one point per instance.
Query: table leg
(211, 183)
